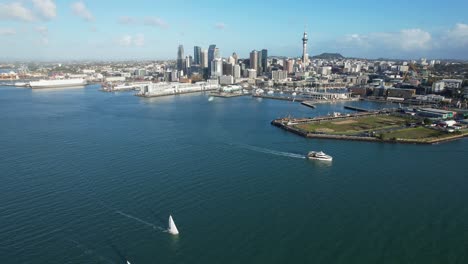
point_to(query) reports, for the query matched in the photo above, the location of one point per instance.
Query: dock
(283, 98)
(308, 104)
(359, 109)
(227, 95)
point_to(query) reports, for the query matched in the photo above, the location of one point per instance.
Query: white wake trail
(140, 220)
(274, 152)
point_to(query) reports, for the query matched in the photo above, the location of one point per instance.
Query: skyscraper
(204, 59)
(217, 54)
(259, 63)
(305, 56)
(211, 55)
(197, 55)
(180, 58)
(254, 60)
(216, 68)
(264, 60)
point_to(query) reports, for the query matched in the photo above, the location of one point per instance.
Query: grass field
(356, 125)
(414, 133)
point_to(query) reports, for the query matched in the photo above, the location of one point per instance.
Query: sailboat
(172, 227)
(128, 262)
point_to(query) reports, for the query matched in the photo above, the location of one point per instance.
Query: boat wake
(274, 152)
(140, 220)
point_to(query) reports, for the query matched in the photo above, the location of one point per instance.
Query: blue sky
(143, 29)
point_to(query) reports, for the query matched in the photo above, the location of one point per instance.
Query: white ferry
(314, 155)
(58, 83)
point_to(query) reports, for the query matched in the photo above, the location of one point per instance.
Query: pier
(359, 109)
(291, 99)
(308, 104)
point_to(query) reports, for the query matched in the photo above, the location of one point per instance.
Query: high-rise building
(197, 55)
(305, 55)
(231, 60)
(204, 59)
(236, 71)
(264, 60)
(254, 60)
(259, 63)
(217, 54)
(236, 58)
(288, 65)
(211, 55)
(180, 58)
(216, 68)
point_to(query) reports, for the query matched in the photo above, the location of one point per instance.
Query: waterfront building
(197, 55)
(180, 58)
(254, 60)
(226, 80)
(227, 68)
(279, 75)
(252, 74)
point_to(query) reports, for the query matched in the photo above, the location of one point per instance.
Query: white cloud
(220, 25)
(126, 20)
(128, 40)
(7, 32)
(16, 11)
(155, 22)
(404, 40)
(458, 35)
(46, 8)
(79, 9)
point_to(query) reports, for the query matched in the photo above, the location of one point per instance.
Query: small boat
(128, 262)
(172, 227)
(211, 98)
(314, 155)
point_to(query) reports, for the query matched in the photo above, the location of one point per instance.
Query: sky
(144, 29)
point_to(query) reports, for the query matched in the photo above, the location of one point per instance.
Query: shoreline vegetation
(371, 127)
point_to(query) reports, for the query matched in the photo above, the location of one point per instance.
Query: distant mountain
(328, 56)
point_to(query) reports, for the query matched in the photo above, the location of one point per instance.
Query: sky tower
(305, 56)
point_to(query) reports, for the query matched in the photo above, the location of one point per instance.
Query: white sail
(172, 227)
(128, 262)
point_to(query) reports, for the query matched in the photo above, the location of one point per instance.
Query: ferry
(314, 155)
(58, 83)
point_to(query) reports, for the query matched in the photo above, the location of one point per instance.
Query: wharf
(167, 94)
(308, 104)
(291, 99)
(228, 95)
(359, 109)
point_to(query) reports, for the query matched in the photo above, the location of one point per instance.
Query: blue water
(91, 177)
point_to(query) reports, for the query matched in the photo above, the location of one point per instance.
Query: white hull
(71, 83)
(319, 156)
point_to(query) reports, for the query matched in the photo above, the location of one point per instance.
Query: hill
(328, 56)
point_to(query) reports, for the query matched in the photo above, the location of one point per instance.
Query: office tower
(211, 55)
(236, 58)
(204, 59)
(237, 71)
(216, 68)
(231, 60)
(288, 65)
(264, 60)
(259, 63)
(180, 58)
(254, 60)
(227, 68)
(217, 54)
(197, 55)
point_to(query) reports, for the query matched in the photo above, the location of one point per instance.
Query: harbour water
(92, 177)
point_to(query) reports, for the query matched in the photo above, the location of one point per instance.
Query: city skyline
(50, 30)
